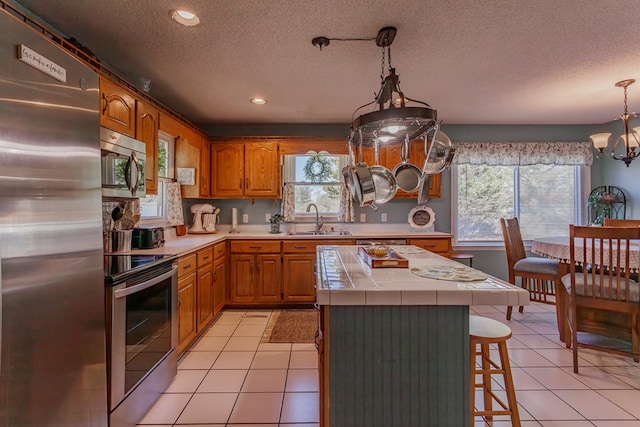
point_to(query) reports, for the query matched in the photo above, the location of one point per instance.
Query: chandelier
(629, 137)
(396, 118)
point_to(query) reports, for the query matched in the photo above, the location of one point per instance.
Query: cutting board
(391, 260)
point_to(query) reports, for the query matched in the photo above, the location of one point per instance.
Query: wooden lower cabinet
(298, 277)
(205, 297)
(219, 285)
(299, 273)
(255, 278)
(186, 310)
(205, 288)
(438, 245)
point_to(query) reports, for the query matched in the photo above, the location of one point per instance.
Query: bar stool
(483, 332)
(458, 256)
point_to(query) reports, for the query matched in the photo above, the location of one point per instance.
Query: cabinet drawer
(255, 246)
(219, 250)
(187, 264)
(205, 256)
(433, 245)
(299, 246)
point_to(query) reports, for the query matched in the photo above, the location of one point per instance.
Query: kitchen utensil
(439, 153)
(408, 177)
(423, 192)
(383, 180)
(127, 222)
(360, 181)
(119, 240)
(117, 213)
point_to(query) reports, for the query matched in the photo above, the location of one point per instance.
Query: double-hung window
(315, 178)
(543, 184)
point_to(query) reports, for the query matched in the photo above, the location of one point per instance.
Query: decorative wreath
(317, 169)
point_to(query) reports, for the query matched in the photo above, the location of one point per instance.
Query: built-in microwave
(123, 161)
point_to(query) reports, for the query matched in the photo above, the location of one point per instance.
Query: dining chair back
(537, 275)
(601, 288)
(614, 222)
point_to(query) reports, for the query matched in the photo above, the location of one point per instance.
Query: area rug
(291, 326)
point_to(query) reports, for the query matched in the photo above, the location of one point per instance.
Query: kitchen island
(394, 342)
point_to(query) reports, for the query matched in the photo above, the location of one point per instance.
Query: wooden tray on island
(391, 260)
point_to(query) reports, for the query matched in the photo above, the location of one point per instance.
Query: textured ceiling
(482, 61)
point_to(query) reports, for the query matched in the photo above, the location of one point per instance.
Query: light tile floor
(229, 378)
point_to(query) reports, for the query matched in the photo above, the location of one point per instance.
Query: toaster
(147, 238)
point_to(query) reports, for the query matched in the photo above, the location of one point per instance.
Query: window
(155, 206)
(546, 198)
(313, 178)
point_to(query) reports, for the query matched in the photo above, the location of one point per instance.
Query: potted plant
(275, 223)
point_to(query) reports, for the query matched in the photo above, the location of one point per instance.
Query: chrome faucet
(319, 222)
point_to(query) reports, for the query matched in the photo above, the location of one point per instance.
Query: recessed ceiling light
(184, 17)
(258, 101)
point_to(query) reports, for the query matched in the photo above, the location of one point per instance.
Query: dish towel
(174, 204)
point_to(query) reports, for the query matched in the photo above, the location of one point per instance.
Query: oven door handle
(121, 293)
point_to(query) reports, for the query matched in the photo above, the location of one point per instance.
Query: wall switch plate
(363, 217)
(267, 217)
(383, 217)
(245, 218)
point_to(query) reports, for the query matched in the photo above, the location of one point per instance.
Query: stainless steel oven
(142, 331)
(123, 160)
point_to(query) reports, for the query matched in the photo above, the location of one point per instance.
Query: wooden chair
(537, 275)
(602, 300)
(613, 222)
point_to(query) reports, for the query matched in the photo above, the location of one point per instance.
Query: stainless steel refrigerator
(52, 365)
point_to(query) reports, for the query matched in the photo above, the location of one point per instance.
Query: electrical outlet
(383, 217)
(245, 218)
(267, 217)
(363, 217)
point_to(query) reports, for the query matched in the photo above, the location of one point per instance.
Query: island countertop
(345, 278)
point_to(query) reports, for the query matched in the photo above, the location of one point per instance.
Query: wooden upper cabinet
(262, 169)
(245, 169)
(205, 169)
(190, 152)
(227, 169)
(147, 119)
(117, 108)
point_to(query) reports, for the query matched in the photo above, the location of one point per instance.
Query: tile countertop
(191, 242)
(348, 280)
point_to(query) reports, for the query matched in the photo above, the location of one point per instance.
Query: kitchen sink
(319, 233)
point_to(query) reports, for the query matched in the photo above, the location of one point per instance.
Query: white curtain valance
(523, 153)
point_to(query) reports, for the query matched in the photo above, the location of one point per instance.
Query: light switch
(363, 217)
(245, 218)
(267, 217)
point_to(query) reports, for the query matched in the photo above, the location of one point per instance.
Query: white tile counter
(346, 279)
(191, 242)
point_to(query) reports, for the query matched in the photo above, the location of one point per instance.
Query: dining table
(558, 247)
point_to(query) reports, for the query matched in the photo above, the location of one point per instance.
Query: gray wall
(605, 171)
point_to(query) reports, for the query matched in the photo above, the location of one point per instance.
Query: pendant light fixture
(396, 117)
(629, 137)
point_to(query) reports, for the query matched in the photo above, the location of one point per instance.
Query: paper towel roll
(234, 218)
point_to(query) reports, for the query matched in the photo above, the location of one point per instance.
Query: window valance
(523, 153)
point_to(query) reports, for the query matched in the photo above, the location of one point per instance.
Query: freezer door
(52, 365)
